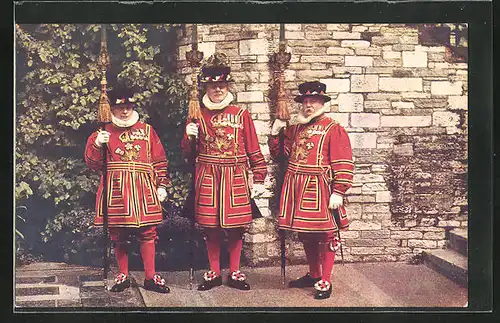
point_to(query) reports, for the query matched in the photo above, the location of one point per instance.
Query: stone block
(434, 235)
(262, 127)
(252, 96)
(401, 234)
(415, 95)
(379, 234)
(350, 234)
(403, 47)
(208, 48)
(341, 27)
(386, 39)
(377, 105)
(411, 39)
(367, 250)
(363, 140)
(355, 43)
(402, 105)
(336, 85)
(448, 223)
(364, 83)
(394, 84)
(358, 61)
(381, 62)
(397, 251)
(349, 102)
(371, 51)
(391, 54)
(338, 70)
(446, 88)
(258, 108)
(446, 119)
(294, 34)
(365, 225)
(368, 178)
(322, 59)
(368, 120)
(426, 244)
(405, 121)
(381, 71)
(346, 35)
(308, 75)
(410, 223)
(414, 59)
(379, 168)
(376, 208)
(259, 237)
(339, 51)
(383, 196)
(245, 77)
(342, 118)
(458, 102)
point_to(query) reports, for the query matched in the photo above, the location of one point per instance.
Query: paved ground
(355, 285)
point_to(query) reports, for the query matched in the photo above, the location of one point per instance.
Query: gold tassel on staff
(279, 62)
(104, 113)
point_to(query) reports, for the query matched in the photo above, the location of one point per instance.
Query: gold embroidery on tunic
(223, 143)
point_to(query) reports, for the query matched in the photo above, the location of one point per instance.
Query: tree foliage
(57, 93)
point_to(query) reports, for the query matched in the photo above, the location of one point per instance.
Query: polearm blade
(194, 57)
(104, 116)
(279, 61)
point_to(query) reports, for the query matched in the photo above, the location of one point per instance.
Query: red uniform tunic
(320, 162)
(227, 148)
(137, 166)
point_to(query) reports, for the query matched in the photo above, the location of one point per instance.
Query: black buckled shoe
(323, 289)
(237, 279)
(156, 284)
(304, 281)
(122, 282)
(210, 280)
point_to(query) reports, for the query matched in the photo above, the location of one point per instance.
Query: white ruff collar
(217, 106)
(304, 120)
(126, 123)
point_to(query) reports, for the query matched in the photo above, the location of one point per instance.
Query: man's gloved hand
(335, 201)
(256, 188)
(162, 194)
(192, 129)
(277, 126)
(102, 138)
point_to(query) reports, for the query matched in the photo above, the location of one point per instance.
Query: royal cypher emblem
(303, 144)
(130, 152)
(224, 142)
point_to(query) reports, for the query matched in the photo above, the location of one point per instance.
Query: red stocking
(234, 245)
(213, 249)
(121, 256)
(328, 258)
(148, 258)
(312, 253)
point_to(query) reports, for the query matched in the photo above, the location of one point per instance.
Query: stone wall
(404, 106)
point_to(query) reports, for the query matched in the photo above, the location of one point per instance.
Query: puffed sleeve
(94, 157)
(341, 159)
(158, 159)
(274, 142)
(252, 148)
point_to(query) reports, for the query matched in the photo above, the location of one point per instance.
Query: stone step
(458, 241)
(449, 263)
